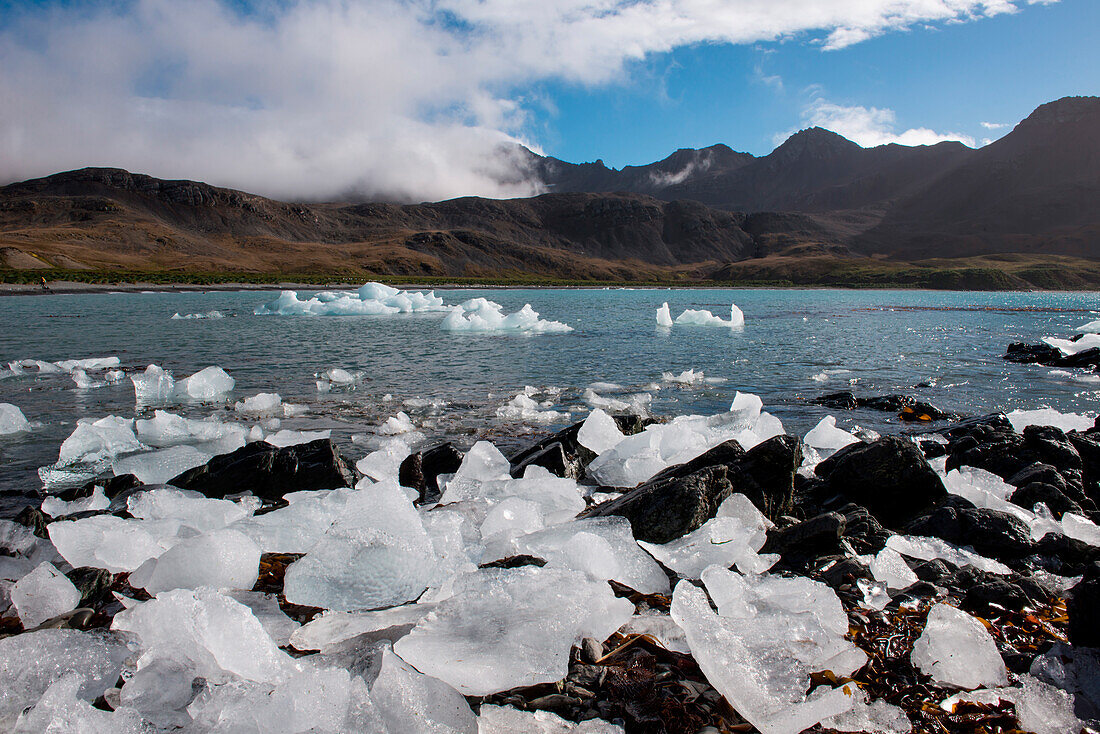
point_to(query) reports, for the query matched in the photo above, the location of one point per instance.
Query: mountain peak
(1064, 110)
(815, 141)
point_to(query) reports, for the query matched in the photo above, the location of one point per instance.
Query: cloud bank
(407, 99)
(871, 126)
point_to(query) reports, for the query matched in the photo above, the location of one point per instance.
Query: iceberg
(704, 317)
(155, 386)
(664, 318)
(372, 299)
(482, 315)
(12, 420)
(192, 316)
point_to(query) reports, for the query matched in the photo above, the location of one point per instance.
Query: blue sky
(423, 99)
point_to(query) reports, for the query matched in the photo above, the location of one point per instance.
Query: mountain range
(1024, 209)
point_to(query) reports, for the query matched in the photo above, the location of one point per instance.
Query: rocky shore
(942, 580)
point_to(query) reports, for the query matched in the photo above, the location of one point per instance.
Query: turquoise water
(887, 341)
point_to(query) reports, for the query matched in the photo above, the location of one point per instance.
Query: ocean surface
(941, 347)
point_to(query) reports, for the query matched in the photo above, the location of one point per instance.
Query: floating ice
(267, 405)
(94, 441)
(166, 429)
(957, 650)
(191, 316)
(286, 437)
(522, 408)
(706, 318)
(511, 627)
(31, 662)
(687, 377)
(636, 404)
(409, 700)
(720, 541)
(157, 467)
(83, 381)
(661, 445)
(372, 299)
(825, 375)
(336, 378)
(216, 635)
(12, 420)
(332, 628)
(1021, 419)
(377, 555)
(508, 720)
(769, 635)
(599, 432)
(396, 425)
(42, 594)
(155, 386)
(481, 315)
(90, 365)
(1069, 347)
(210, 383)
(927, 549)
(1091, 327)
(222, 559)
(664, 318)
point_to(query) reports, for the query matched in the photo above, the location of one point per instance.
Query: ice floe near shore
(372, 299)
(156, 386)
(197, 316)
(704, 317)
(482, 315)
(12, 420)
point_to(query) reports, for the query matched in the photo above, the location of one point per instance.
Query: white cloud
(312, 98)
(994, 125)
(871, 126)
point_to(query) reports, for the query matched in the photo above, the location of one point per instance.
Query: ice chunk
(12, 420)
(704, 317)
(15, 538)
(926, 549)
(877, 717)
(55, 507)
(104, 541)
(602, 547)
(1021, 419)
(211, 383)
(511, 627)
(1069, 347)
(42, 594)
(891, 569)
(31, 662)
(957, 650)
(599, 432)
(260, 405)
(83, 381)
(987, 490)
(1091, 327)
(266, 608)
(481, 315)
(661, 445)
(377, 555)
(61, 710)
(406, 699)
(298, 527)
(154, 386)
(166, 429)
(385, 462)
(188, 507)
(660, 627)
(482, 463)
(826, 437)
(1040, 707)
(664, 318)
(1080, 528)
(396, 425)
(286, 437)
(214, 633)
(94, 441)
(336, 378)
(332, 628)
(512, 515)
(741, 507)
(636, 404)
(522, 408)
(508, 720)
(222, 559)
(157, 467)
(687, 377)
(373, 299)
(721, 541)
(193, 316)
(770, 634)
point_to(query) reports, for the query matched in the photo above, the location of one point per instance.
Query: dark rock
(94, 585)
(515, 562)
(862, 531)
(995, 592)
(591, 650)
(889, 477)
(1022, 353)
(726, 453)
(269, 472)
(907, 408)
(990, 532)
(1063, 555)
(562, 453)
(1055, 499)
(916, 592)
(766, 475)
(661, 510)
(845, 572)
(933, 449)
(809, 539)
(33, 518)
(71, 494)
(1083, 606)
(115, 486)
(1087, 446)
(845, 400)
(933, 571)
(421, 470)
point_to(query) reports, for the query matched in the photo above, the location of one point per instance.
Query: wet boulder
(562, 453)
(1054, 498)
(991, 533)
(270, 472)
(665, 508)
(1022, 353)
(808, 540)
(421, 470)
(862, 531)
(766, 475)
(1083, 606)
(889, 477)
